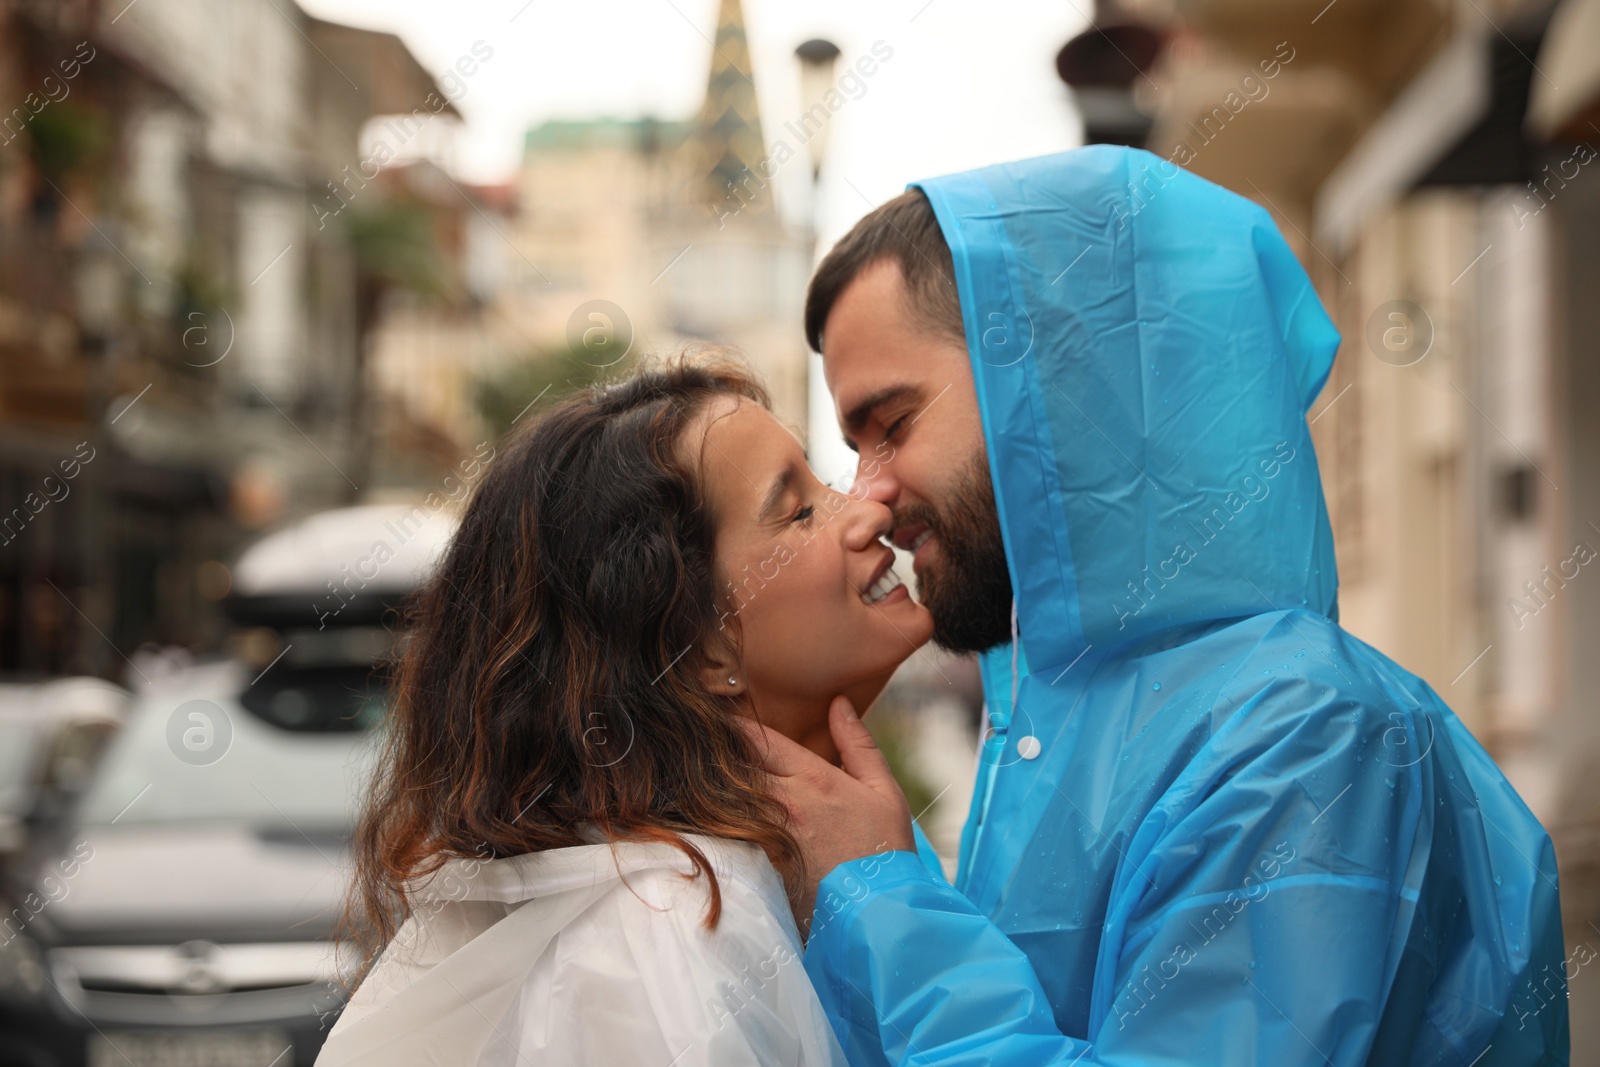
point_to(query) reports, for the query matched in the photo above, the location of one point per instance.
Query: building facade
(182, 358)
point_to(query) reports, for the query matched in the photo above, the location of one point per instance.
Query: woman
(567, 818)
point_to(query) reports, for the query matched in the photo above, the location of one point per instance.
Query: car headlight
(22, 974)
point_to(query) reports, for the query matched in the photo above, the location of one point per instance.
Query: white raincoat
(551, 958)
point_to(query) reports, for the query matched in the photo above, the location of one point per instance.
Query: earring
(732, 680)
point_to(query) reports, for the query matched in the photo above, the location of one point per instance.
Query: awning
(1440, 105)
(1565, 102)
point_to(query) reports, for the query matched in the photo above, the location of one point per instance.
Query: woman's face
(804, 576)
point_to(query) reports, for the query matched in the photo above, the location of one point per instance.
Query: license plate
(191, 1048)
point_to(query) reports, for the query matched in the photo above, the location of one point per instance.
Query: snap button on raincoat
(1244, 836)
(554, 958)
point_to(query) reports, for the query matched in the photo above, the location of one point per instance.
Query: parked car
(184, 913)
(51, 735)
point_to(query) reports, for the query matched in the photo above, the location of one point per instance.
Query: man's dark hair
(903, 230)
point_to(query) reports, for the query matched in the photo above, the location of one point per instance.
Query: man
(1209, 826)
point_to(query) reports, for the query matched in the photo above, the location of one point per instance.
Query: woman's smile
(884, 588)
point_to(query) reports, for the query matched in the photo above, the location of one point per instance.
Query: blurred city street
(277, 278)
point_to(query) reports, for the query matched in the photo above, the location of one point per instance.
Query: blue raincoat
(1210, 826)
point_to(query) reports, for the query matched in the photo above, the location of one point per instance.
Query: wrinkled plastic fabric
(1247, 837)
(591, 954)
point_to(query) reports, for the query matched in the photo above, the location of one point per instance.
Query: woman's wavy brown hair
(550, 675)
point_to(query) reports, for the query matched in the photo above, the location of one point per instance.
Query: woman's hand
(840, 813)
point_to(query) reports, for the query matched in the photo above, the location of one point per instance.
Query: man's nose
(875, 481)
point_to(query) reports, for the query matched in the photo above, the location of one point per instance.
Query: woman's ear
(720, 670)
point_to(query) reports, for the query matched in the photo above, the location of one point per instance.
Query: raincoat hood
(1145, 348)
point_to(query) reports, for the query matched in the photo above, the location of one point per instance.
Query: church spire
(731, 145)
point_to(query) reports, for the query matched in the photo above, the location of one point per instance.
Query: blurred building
(1431, 162)
(81, 118)
(433, 340)
(629, 237)
(182, 277)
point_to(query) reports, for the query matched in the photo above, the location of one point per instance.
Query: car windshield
(249, 769)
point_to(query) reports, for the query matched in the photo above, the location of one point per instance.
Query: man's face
(906, 404)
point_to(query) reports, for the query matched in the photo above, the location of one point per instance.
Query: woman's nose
(869, 521)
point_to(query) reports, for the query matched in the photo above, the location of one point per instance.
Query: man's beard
(968, 589)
